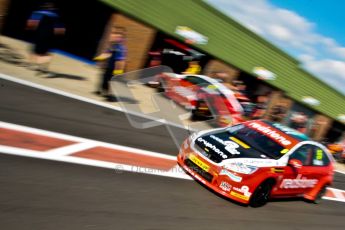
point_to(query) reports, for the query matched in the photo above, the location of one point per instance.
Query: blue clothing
(118, 53)
(44, 33)
(37, 15)
(43, 14)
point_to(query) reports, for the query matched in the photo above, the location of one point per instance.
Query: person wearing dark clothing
(45, 24)
(260, 107)
(117, 53)
(115, 57)
(278, 112)
(299, 122)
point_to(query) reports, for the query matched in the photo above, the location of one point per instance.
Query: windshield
(258, 141)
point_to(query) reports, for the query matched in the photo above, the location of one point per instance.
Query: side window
(190, 79)
(303, 153)
(320, 158)
(196, 80)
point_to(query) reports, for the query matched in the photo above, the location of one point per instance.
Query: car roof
(287, 130)
(281, 134)
(223, 89)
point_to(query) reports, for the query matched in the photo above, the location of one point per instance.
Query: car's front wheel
(261, 194)
(161, 86)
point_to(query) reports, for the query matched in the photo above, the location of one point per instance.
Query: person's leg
(43, 58)
(32, 58)
(105, 83)
(32, 61)
(43, 62)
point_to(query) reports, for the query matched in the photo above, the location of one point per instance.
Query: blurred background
(191, 37)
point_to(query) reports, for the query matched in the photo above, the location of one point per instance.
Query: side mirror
(294, 163)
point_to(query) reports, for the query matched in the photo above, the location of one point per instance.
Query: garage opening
(84, 22)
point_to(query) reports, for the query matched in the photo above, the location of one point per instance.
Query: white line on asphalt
(70, 149)
(128, 168)
(118, 168)
(335, 189)
(338, 194)
(85, 99)
(80, 139)
(334, 199)
(60, 154)
(338, 171)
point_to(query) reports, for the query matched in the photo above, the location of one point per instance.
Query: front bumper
(211, 176)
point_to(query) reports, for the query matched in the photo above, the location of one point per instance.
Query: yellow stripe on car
(244, 145)
(284, 151)
(235, 194)
(277, 170)
(199, 163)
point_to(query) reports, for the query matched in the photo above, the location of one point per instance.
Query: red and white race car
(256, 160)
(204, 96)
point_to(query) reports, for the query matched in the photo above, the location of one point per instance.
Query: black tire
(320, 194)
(161, 86)
(261, 194)
(195, 116)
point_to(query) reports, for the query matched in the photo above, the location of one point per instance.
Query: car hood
(222, 146)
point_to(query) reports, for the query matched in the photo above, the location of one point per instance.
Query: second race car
(204, 96)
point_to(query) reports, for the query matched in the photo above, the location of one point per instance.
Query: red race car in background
(256, 160)
(204, 96)
(337, 150)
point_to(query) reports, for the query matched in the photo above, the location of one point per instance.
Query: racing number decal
(319, 154)
(318, 160)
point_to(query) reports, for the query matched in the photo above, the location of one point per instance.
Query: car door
(298, 180)
(178, 90)
(318, 167)
(186, 90)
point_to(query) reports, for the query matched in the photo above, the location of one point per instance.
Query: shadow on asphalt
(121, 99)
(273, 200)
(52, 75)
(10, 55)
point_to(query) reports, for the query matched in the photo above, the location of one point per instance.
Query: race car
(257, 160)
(337, 150)
(204, 96)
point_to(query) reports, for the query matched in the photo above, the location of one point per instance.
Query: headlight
(241, 168)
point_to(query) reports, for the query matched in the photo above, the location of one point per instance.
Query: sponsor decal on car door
(294, 182)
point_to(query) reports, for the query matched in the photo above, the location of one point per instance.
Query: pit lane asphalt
(39, 194)
(32, 107)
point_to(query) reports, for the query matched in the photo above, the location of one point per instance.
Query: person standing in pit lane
(115, 57)
(46, 25)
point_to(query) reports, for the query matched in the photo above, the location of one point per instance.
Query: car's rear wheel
(201, 114)
(320, 194)
(261, 194)
(195, 116)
